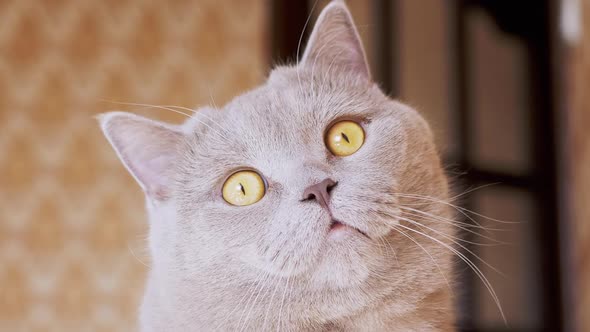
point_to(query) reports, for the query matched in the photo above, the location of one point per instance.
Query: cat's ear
(335, 41)
(146, 147)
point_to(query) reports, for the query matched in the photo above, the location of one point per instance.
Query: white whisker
(474, 267)
(175, 111)
(299, 44)
(455, 242)
(461, 210)
(468, 191)
(429, 255)
(458, 224)
(133, 254)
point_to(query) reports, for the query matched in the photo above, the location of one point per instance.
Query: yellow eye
(345, 138)
(243, 188)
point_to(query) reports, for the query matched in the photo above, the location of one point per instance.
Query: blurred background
(504, 84)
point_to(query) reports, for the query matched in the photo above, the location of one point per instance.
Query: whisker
(256, 291)
(247, 294)
(299, 43)
(455, 242)
(479, 244)
(244, 296)
(474, 189)
(460, 209)
(392, 250)
(172, 110)
(179, 107)
(279, 322)
(277, 283)
(387, 245)
(457, 224)
(435, 200)
(133, 254)
(315, 60)
(487, 229)
(146, 105)
(199, 114)
(212, 99)
(474, 267)
(429, 255)
(289, 302)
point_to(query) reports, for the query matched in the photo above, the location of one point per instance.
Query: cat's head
(302, 176)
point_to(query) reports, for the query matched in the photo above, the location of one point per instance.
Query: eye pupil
(345, 137)
(242, 189)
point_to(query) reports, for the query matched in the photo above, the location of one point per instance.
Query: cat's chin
(341, 264)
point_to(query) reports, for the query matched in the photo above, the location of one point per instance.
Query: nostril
(331, 186)
(309, 197)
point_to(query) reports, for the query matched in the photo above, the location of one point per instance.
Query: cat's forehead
(283, 119)
(295, 98)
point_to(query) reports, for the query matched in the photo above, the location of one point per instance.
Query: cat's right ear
(146, 147)
(335, 41)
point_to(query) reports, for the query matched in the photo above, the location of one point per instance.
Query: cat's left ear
(147, 148)
(335, 41)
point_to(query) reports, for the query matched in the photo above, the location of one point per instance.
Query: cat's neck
(260, 306)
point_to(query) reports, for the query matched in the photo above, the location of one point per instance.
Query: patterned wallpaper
(72, 229)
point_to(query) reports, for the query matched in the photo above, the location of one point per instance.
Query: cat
(311, 203)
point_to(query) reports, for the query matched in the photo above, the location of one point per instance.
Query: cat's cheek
(249, 256)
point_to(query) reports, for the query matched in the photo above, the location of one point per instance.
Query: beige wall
(579, 180)
(71, 218)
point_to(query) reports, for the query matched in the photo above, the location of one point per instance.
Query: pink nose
(320, 192)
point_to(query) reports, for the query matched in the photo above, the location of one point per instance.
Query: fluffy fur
(271, 265)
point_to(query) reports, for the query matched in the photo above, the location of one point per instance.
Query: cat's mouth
(338, 227)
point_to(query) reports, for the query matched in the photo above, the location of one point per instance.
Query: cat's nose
(320, 192)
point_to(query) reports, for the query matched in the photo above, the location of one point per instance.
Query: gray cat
(311, 203)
